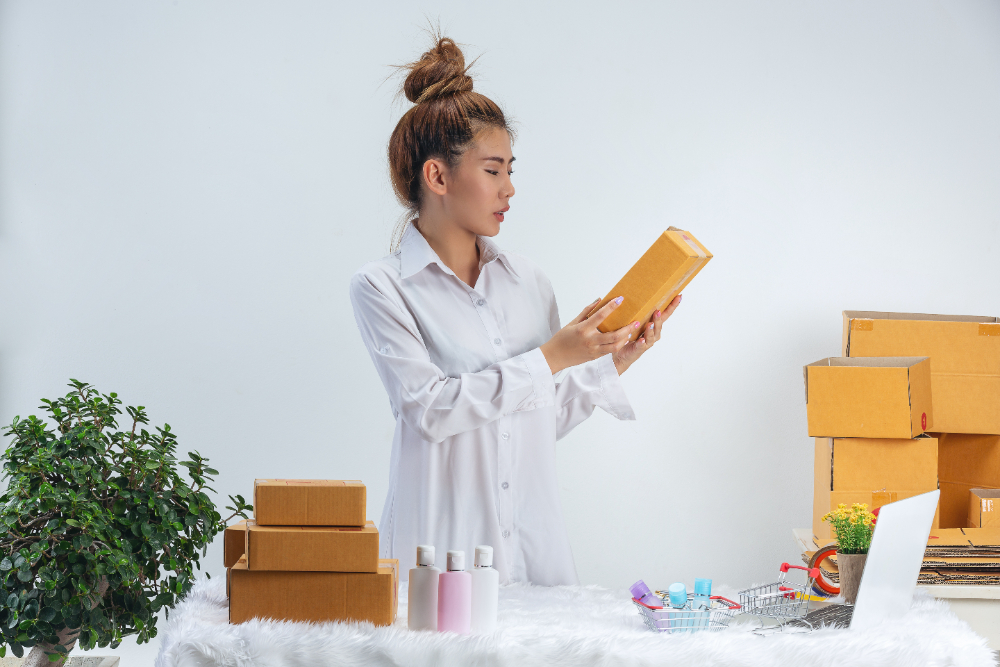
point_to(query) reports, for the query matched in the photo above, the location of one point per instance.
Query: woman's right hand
(579, 341)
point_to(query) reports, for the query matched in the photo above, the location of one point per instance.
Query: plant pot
(851, 567)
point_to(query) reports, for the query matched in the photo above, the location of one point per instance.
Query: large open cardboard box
(309, 502)
(873, 471)
(314, 596)
(312, 548)
(673, 260)
(965, 461)
(872, 397)
(965, 360)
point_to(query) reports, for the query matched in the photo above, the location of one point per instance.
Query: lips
(499, 214)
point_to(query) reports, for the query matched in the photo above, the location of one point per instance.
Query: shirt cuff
(612, 389)
(542, 384)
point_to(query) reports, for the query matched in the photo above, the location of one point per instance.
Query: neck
(456, 247)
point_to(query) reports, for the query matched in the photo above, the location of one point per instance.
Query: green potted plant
(101, 530)
(853, 529)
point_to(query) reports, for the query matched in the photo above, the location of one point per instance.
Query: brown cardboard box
(965, 461)
(871, 471)
(314, 596)
(984, 508)
(673, 260)
(873, 397)
(312, 548)
(309, 502)
(965, 361)
(233, 542)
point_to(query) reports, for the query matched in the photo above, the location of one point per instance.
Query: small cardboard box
(673, 260)
(309, 502)
(312, 548)
(314, 596)
(874, 471)
(965, 461)
(965, 361)
(234, 542)
(984, 508)
(873, 397)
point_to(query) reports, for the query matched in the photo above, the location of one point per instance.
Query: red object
(818, 558)
(923, 420)
(813, 572)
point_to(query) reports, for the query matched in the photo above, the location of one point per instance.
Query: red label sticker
(923, 420)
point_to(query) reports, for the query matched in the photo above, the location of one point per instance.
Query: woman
(481, 379)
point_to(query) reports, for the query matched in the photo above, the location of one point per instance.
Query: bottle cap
(425, 554)
(639, 590)
(678, 595)
(456, 561)
(484, 556)
(703, 587)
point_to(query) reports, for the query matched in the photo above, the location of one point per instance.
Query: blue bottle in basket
(702, 601)
(680, 620)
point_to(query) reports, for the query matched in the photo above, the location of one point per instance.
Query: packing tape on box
(858, 324)
(989, 329)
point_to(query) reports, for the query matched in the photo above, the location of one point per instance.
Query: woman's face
(480, 188)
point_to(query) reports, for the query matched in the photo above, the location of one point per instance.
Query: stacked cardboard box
(869, 418)
(964, 374)
(309, 554)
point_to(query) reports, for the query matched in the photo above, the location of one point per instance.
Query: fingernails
(596, 300)
(650, 327)
(657, 313)
(619, 300)
(680, 298)
(636, 325)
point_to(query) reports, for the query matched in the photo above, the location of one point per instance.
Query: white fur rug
(570, 625)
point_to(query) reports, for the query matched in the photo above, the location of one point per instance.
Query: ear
(435, 176)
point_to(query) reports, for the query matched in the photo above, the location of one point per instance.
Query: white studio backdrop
(187, 187)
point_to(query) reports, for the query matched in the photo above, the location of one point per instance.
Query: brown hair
(444, 120)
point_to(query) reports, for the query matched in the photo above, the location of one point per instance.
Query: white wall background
(186, 188)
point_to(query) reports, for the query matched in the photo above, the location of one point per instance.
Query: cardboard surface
(312, 548)
(874, 471)
(233, 542)
(965, 361)
(984, 508)
(673, 260)
(309, 502)
(872, 397)
(965, 461)
(314, 596)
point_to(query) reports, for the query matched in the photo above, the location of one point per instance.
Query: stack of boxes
(309, 554)
(912, 406)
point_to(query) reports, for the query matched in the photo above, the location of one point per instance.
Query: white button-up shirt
(477, 409)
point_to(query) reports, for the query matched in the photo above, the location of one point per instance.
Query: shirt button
(481, 302)
(506, 533)
(505, 485)
(496, 341)
(505, 435)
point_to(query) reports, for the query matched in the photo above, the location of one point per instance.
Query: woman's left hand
(626, 356)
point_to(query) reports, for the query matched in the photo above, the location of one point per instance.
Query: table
(979, 606)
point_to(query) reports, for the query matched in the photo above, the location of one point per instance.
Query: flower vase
(851, 567)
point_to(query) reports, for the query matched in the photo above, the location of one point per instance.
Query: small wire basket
(782, 599)
(670, 619)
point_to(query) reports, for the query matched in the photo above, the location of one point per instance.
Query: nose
(507, 191)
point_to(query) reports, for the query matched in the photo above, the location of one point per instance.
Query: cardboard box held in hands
(873, 471)
(965, 360)
(984, 508)
(652, 282)
(309, 502)
(873, 397)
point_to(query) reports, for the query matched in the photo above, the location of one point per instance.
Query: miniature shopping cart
(671, 619)
(782, 599)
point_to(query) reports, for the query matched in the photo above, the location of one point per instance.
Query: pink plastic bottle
(455, 596)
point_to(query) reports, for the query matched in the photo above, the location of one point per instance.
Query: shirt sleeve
(433, 404)
(580, 389)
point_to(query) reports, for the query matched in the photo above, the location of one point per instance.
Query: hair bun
(440, 71)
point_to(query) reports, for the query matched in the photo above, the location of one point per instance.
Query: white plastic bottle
(422, 596)
(485, 591)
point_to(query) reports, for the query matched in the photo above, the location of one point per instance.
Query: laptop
(891, 570)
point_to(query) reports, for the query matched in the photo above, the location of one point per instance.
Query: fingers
(586, 311)
(603, 313)
(616, 340)
(672, 306)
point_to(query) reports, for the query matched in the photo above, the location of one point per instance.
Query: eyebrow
(498, 159)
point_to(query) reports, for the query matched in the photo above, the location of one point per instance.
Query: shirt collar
(415, 253)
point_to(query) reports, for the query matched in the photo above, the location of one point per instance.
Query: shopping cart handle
(814, 572)
(732, 605)
(646, 605)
